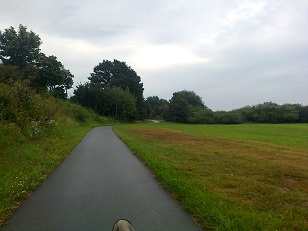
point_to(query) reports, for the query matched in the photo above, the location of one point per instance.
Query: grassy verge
(28, 154)
(241, 177)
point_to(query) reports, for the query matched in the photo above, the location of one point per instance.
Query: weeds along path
(97, 184)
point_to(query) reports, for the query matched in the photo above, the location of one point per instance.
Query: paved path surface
(97, 184)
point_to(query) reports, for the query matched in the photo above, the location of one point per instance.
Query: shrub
(201, 116)
(231, 117)
(32, 113)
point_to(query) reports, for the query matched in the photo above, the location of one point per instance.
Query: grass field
(230, 177)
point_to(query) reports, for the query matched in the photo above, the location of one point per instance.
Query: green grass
(29, 153)
(291, 135)
(36, 133)
(230, 177)
(26, 163)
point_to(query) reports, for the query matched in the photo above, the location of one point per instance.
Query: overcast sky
(230, 52)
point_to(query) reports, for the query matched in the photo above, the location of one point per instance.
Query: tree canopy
(183, 106)
(51, 75)
(155, 107)
(108, 101)
(21, 49)
(115, 89)
(187, 107)
(119, 74)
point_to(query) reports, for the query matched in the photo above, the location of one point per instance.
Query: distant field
(230, 177)
(292, 135)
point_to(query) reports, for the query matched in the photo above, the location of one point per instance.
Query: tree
(201, 115)
(270, 112)
(20, 47)
(52, 76)
(303, 114)
(44, 73)
(156, 108)
(179, 109)
(119, 104)
(109, 101)
(231, 117)
(118, 74)
(187, 107)
(192, 98)
(247, 113)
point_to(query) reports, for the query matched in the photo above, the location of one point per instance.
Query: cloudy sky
(230, 52)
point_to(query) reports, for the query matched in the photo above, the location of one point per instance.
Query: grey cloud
(256, 51)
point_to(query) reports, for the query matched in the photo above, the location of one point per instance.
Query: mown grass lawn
(230, 177)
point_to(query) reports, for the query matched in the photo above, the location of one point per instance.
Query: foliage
(36, 133)
(108, 101)
(118, 74)
(223, 117)
(88, 95)
(23, 107)
(155, 107)
(119, 104)
(22, 60)
(26, 162)
(20, 47)
(192, 98)
(51, 75)
(10, 74)
(34, 114)
(179, 109)
(201, 115)
(187, 107)
(270, 112)
(303, 113)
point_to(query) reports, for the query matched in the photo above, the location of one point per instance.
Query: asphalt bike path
(100, 182)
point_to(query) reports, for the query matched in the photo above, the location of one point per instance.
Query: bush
(36, 115)
(201, 116)
(80, 114)
(23, 107)
(232, 117)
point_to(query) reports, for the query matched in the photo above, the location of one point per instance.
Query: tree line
(114, 89)
(187, 107)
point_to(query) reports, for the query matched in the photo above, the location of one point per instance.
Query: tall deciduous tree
(52, 76)
(187, 107)
(192, 98)
(119, 103)
(118, 74)
(20, 47)
(179, 109)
